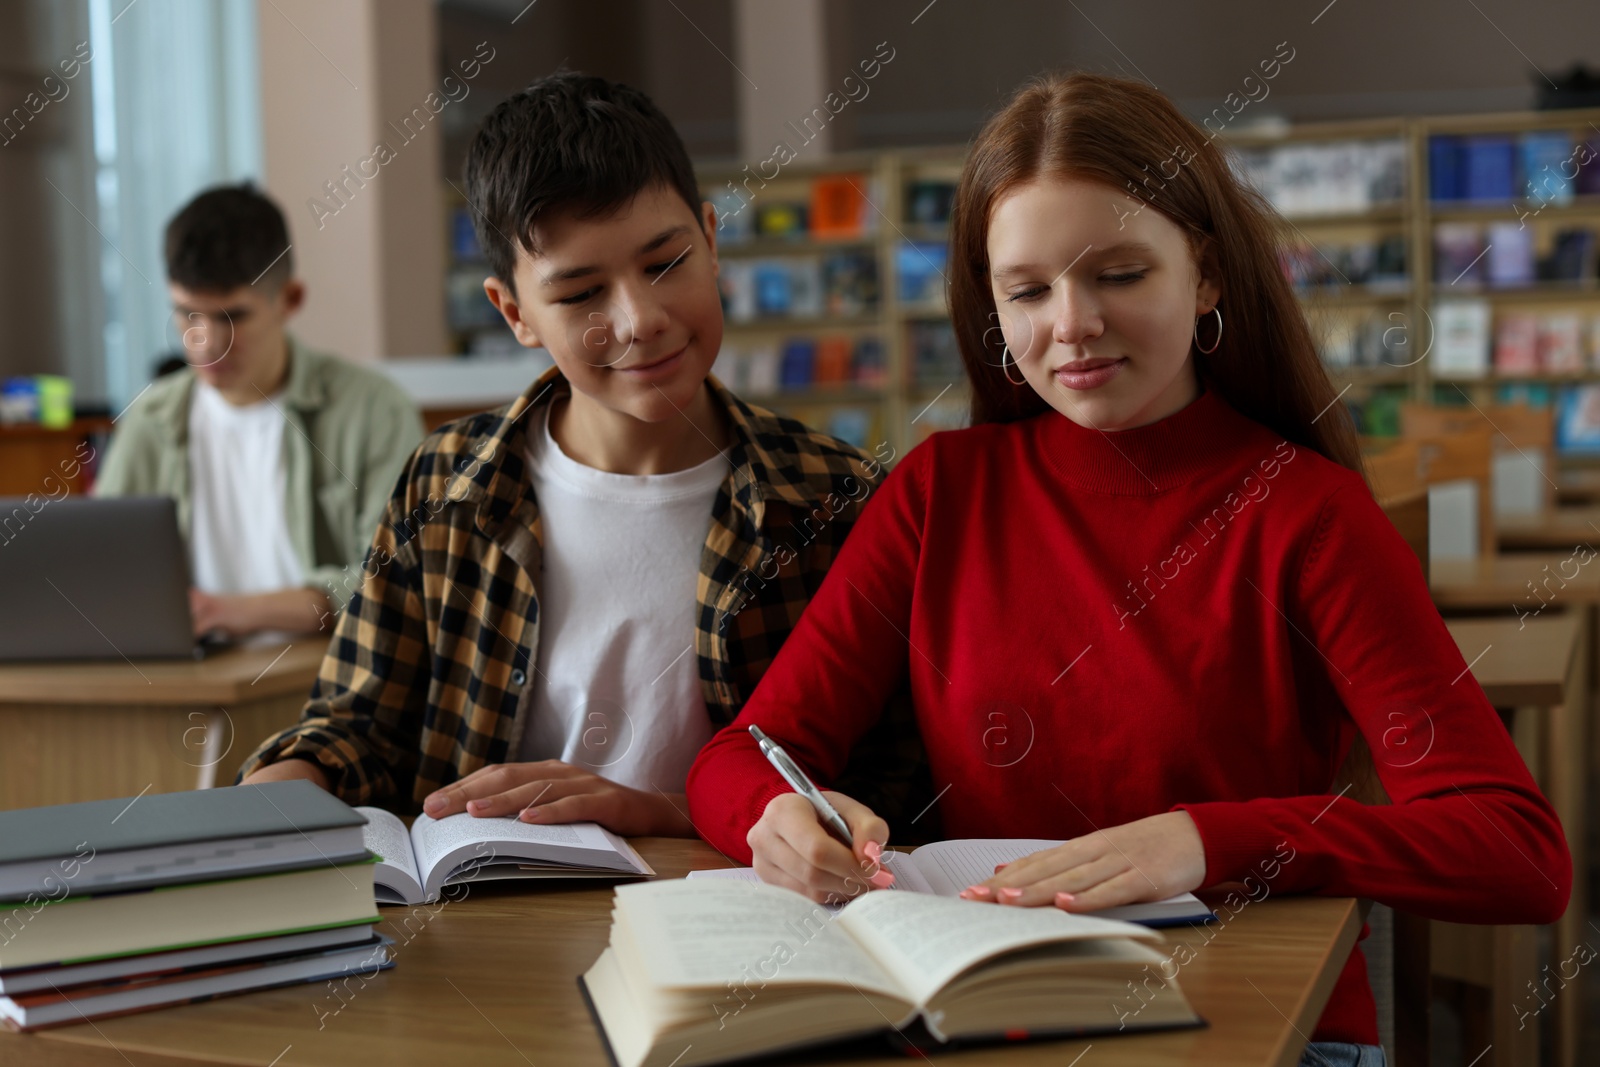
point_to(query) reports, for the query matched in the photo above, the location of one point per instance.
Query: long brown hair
(1128, 135)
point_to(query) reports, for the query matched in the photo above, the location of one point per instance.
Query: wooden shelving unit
(897, 417)
(905, 407)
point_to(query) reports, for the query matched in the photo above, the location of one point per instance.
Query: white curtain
(176, 109)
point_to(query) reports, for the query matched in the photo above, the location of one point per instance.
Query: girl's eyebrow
(1122, 247)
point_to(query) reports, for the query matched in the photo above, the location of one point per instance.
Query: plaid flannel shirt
(423, 678)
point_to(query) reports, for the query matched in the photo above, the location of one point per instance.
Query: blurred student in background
(280, 458)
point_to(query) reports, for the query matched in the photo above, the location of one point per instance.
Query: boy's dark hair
(568, 142)
(228, 236)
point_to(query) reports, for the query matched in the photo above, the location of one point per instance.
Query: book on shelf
(1461, 338)
(1516, 343)
(1571, 257)
(780, 972)
(1578, 420)
(803, 362)
(1547, 166)
(1458, 254)
(832, 365)
(843, 283)
(1587, 182)
(945, 868)
(921, 266)
(839, 207)
(1326, 178)
(1560, 342)
(1509, 260)
(797, 365)
(416, 865)
(124, 994)
(928, 202)
(1490, 167)
(735, 224)
(780, 219)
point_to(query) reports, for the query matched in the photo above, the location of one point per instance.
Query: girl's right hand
(793, 849)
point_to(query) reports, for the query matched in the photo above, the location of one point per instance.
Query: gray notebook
(162, 838)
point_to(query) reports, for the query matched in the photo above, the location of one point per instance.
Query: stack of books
(115, 906)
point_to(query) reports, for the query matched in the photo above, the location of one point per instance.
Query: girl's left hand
(1151, 859)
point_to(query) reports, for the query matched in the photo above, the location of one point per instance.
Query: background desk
(90, 731)
(1536, 672)
(491, 980)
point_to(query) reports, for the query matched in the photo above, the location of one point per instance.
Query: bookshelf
(1534, 333)
(784, 281)
(839, 318)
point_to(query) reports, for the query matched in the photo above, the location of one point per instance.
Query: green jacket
(350, 431)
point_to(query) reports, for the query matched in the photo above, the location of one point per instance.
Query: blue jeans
(1342, 1054)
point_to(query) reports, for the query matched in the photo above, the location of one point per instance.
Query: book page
(711, 933)
(951, 866)
(495, 840)
(924, 941)
(386, 835)
(906, 875)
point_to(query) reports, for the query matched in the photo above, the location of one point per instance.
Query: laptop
(84, 578)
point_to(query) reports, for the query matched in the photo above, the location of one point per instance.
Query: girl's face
(1096, 296)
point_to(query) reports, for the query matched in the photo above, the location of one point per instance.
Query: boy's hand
(550, 791)
(285, 769)
(242, 614)
(792, 849)
(1148, 859)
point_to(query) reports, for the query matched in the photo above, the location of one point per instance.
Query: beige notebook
(713, 970)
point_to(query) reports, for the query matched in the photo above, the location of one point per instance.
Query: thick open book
(414, 866)
(945, 868)
(715, 970)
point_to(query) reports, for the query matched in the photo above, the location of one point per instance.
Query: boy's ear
(292, 297)
(708, 223)
(504, 299)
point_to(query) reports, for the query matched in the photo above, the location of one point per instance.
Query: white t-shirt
(617, 691)
(238, 535)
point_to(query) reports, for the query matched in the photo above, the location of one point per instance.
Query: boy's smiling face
(626, 303)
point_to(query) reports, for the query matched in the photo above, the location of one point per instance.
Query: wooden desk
(1556, 530)
(491, 980)
(1535, 670)
(1501, 582)
(90, 731)
(1578, 485)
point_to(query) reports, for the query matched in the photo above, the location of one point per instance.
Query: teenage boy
(568, 596)
(280, 458)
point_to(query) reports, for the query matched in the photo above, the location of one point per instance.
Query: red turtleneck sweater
(1192, 614)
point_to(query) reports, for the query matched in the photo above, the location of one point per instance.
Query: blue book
(1548, 166)
(797, 365)
(1491, 166)
(1578, 420)
(773, 283)
(1444, 168)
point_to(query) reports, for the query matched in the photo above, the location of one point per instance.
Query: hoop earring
(1218, 341)
(1005, 351)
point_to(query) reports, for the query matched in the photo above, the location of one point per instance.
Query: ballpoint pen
(797, 779)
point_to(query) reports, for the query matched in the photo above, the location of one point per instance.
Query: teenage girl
(1146, 603)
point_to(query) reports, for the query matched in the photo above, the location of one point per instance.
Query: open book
(945, 868)
(716, 970)
(414, 866)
